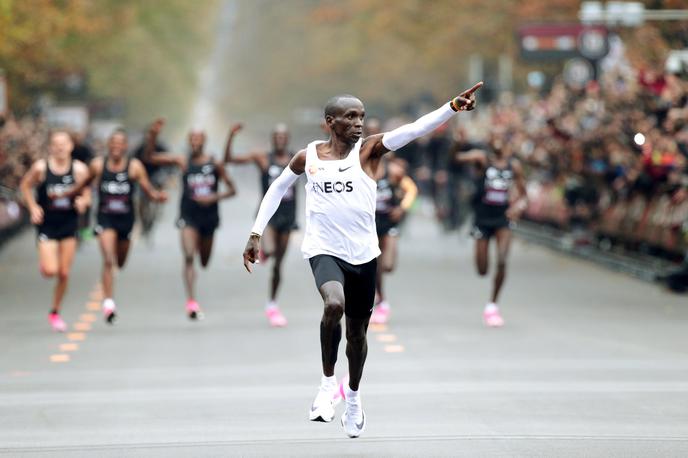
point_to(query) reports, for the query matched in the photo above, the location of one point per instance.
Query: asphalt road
(590, 362)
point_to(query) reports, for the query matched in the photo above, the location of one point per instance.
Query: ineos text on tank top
(199, 180)
(492, 193)
(340, 208)
(51, 195)
(115, 191)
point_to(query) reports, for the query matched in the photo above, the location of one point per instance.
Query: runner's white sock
(271, 305)
(351, 395)
(108, 303)
(328, 382)
(491, 308)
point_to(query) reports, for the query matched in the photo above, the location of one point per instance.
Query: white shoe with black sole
(322, 408)
(353, 419)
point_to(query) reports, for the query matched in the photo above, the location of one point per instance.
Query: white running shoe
(109, 311)
(353, 418)
(323, 405)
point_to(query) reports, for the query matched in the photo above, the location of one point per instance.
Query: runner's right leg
(66, 250)
(190, 242)
(49, 266)
(332, 293)
(48, 260)
(205, 248)
(108, 247)
(122, 252)
(267, 244)
(281, 242)
(272, 310)
(386, 264)
(481, 256)
(503, 239)
(65, 256)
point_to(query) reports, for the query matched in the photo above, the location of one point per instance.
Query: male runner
(199, 211)
(499, 200)
(116, 175)
(271, 166)
(147, 210)
(340, 240)
(396, 192)
(54, 210)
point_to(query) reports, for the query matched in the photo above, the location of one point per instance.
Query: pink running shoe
(491, 316)
(381, 313)
(57, 322)
(194, 310)
(275, 317)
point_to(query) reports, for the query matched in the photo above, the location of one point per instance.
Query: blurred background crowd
(604, 147)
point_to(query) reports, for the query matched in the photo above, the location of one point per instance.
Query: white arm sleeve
(405, 134)
(272, 199)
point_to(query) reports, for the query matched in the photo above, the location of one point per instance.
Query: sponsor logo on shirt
(113, 187)
(329, 187)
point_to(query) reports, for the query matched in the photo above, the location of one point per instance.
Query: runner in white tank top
(340, 208)
(341, 241)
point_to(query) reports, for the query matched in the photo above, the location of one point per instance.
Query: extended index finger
(473, 89)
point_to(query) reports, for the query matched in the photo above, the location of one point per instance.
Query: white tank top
(340, 208)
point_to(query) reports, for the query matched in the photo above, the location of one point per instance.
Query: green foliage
(142, 51)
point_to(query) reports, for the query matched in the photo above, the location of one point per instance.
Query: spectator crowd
(21, 142)
(605, 161)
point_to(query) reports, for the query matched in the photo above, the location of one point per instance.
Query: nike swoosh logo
(345, 169)
(360, 426)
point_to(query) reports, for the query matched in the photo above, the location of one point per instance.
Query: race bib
(62, 203)
(202, 191)
(496, 197)
(117, 206)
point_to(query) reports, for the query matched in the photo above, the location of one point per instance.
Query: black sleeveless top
(493, 188)
(198, 181)
(115, 192)
(387, 194)
(56, 209)
(274, 170)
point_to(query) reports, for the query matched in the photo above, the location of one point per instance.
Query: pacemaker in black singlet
(199, 181)
(491, 199)
(387, 200)
(284, 219)
(60, 219)
(115, 205)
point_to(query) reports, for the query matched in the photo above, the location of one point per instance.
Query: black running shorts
(205, 226)
(122, 224)
(283, 222)
(385, 226)
(58, 230)
(358, 282)
(487, 230)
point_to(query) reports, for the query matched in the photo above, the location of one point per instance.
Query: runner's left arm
(270, 203)
(81, 176)
(378, 145)
(227, 180)
(519, 201)
(410, 192)
(139, 174)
